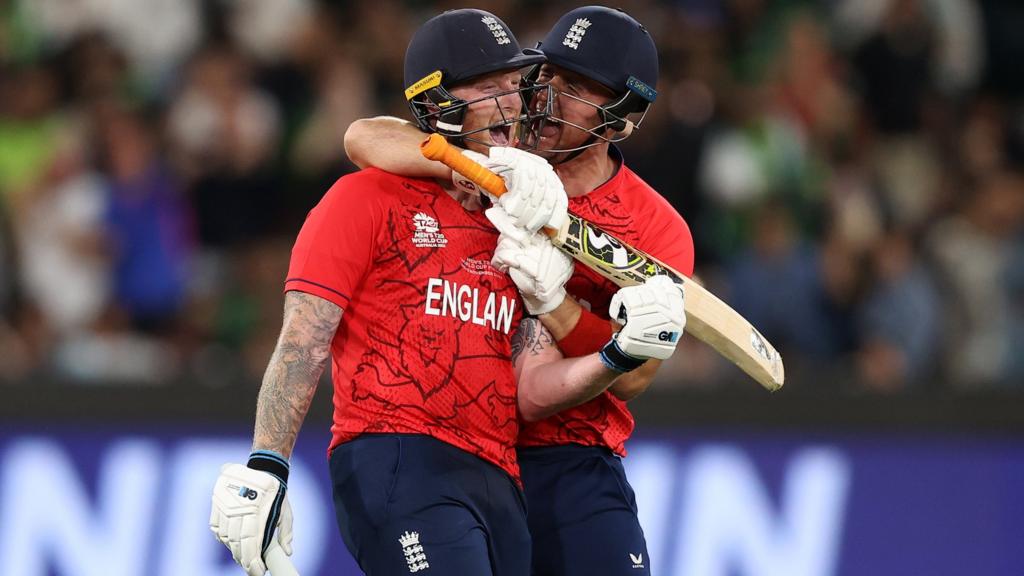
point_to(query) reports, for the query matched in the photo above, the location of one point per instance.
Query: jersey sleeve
(668, 237)
(335, 248)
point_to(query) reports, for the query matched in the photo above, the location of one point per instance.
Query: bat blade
(606, 254)
(707, 317)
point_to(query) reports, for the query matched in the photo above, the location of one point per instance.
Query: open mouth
(501, 135)
(550, 129)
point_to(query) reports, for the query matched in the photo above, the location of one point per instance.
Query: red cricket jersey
(424, 344)
(628, 208)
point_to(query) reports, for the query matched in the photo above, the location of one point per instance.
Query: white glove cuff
(537, 307)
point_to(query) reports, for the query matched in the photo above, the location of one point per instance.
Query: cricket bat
(707, 317)
(277, 561)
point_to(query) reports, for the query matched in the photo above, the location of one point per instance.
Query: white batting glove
(248, 505)
(653, 317)
(535, 197)
(538, 269)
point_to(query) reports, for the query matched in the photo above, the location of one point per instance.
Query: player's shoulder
(665, 228)
(634, 183)
(373, 183)
(643, 197)
(374, 177)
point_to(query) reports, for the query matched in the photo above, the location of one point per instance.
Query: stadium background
(853, 172)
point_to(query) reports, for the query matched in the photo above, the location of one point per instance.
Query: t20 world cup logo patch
(427, 232)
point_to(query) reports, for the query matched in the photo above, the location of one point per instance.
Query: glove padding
(535, 196)
(538, 269)
(653, 318)
(247, 506)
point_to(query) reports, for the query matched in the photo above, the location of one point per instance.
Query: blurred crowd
(852, 170)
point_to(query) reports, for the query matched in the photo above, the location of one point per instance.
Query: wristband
(270, 462)
(615, 359)
(590, 335)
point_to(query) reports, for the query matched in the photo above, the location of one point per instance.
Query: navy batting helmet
(610, 47)
(454, 47)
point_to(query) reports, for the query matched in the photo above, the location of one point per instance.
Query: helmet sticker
(641, 89)
(432, 80)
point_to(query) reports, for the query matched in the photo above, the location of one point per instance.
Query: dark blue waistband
(562, 452)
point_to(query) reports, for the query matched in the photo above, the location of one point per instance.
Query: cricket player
(427, 361)
(602, 69)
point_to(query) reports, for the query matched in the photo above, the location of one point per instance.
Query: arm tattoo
(532, 337)
(519, 338)
(298, 361)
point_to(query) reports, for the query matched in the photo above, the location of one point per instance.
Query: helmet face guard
(613, 117)
(435, 109)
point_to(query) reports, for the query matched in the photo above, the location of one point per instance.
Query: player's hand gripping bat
(707, 317)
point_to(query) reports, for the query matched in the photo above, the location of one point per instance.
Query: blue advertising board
(120, 501)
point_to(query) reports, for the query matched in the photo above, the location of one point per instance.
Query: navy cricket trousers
(583, 514)
(408, 503)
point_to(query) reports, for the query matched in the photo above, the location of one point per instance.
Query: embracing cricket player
(433, 362)
(600, 71)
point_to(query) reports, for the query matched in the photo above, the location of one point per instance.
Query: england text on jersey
(460, 301)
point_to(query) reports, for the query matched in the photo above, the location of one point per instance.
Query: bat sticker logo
(607, 249)
(759, 345)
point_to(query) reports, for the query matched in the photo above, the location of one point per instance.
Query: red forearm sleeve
(589, 335)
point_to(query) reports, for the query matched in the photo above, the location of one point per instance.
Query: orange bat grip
(437, 148)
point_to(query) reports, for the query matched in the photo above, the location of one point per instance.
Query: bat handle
(278, 562)
(437, 148)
